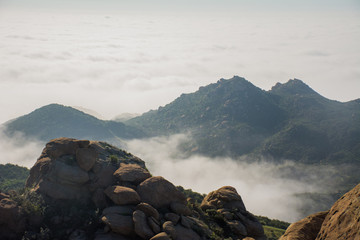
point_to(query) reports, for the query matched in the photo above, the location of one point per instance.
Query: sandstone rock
(119, 223)
(305, 229)
(185, 233)
(174, 218)
(142, 229)
(180, 208)
(343, 219)
(86, 158)
(64, 146)
(122, 195)
(159, 192)
(225, 197)
(238, 228)
(121, 210)
(161, 236)
(131, 173)
(169, 228)
(12, 222)
(148, 210)
(69, 174)
(154, 224)
(253, 226)
(99, 198)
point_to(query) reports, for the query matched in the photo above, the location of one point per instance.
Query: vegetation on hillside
(12, 177)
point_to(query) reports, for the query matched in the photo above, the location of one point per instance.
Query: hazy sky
(132, 56)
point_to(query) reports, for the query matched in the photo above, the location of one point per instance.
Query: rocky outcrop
(305, 229)
(342, 221)
(229, 204)
(96, 191)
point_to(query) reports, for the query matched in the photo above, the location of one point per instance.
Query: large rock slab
(343, 219)
(122, 195)
(159, 192)
(305, 229)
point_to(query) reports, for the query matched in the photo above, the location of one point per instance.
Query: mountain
(56, 120)
(233, 117)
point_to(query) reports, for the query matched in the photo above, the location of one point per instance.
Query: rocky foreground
(342, 221)
(81, 189)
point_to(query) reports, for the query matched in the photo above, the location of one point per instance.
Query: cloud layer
(132, 62)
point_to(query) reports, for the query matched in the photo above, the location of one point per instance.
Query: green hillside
(56, 120)
(12, 177)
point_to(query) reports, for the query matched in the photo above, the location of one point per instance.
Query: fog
(267, 189)
(18, 150)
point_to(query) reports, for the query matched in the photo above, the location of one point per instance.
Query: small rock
(131, 173)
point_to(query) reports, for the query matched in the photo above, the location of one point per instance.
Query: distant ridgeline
(228, 118)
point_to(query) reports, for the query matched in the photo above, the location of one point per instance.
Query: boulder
(86, 158)
(169, 228)
(148, 210)
(237, 227)
(185, 233)
(122, 210)
(64, 146)
(159, 192)
(122, 195)
(132, 173)
(161, 236)
(180, 208)
(172, 217)
(12, 222)
(99, 198)
(225, 197)
(305, 229)
(154, 224)
(119, 223)
(141, 227)
(343, 219)
(58, 191)
(110, 236)
(67, 174)
(253, 226)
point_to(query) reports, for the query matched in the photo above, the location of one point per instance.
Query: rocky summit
(80, 189)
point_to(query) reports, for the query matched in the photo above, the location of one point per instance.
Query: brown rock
(169, 228)
(122, 210)
(122, 195)
(253, 226)
(154, 224)
(225, 197)
(159, 192)
(161, 236)
(343, 219)
(186, 222)
(131, 173)
(142, 229)
(148, 210)
(86, 158)
(172, 217)
(64, 146)
(119, 223)
(305, 229)
(237, 227)
(12, 222)
(62, 191)
(69, 174)
(180, 209)
(103, 174)
(99, 198)
(185, 233)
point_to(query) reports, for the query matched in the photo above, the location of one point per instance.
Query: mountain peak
(293, 87)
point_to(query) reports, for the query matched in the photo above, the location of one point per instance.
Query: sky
(118, 57)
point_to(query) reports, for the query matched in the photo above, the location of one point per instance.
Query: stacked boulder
(128, 201)
(227, 202)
